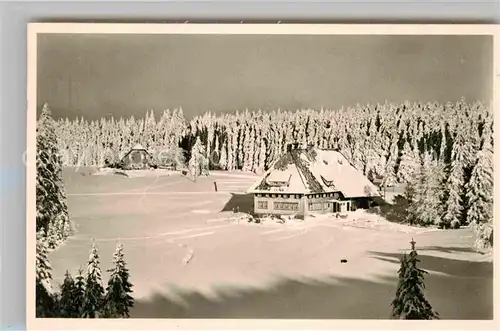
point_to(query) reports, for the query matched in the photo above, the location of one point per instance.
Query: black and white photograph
(298, 174)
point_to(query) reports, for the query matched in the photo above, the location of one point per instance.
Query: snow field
(176, 242)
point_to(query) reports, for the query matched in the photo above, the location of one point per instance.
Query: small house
(137, 158)
(311, 180)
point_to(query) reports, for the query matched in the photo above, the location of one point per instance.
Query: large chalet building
(311, 180)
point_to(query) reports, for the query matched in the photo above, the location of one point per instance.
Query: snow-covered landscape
(375, 210)
(190, 256)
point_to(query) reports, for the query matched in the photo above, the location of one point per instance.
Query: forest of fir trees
(442, 151)
(82, 296)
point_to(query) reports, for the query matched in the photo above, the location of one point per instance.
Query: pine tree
(67, 306)
(223, 157)
(51, 203)
(409, 192)
(118, 299)
(45, 301)
(389, 171)
(426, 208)
(78, 295)
(397, 303)
(262, 157)
(198, 163)
(408, 165)
(389, 175)
(420, 191)
(410, 301)
(480, 197)
(94, 290)
(455, 186)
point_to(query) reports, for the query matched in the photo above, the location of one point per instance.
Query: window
(286, 206)
(315, 206)
(262, 204)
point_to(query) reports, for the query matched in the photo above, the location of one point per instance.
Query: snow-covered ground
(134, 173)
(190, 256)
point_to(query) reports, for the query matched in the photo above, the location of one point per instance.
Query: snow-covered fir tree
(78, 295)
(480, 197)
(45, 301)
(410, 301)
(118, 300)
(408, 165)
(51, 207)
(67, 307)
(262, 157)
(94, 291)
(223, 157)
(198, 163)
(397, 303)
(374, 128)
(433, 208)
(455, 185)
(417, 213)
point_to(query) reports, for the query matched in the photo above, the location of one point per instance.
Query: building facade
(311, 181)
(136, 158)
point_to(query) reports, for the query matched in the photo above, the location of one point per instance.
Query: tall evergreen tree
(455, 185)
(427, 208)
(223, 157)
(408, 165)
(118, 300)
(397, 303)
(45, 301)
(419, 190)
(480, 197)
(78, 295)
(51, 206)
(198, 163)
(94, 290)
(262, 157)
(67, 306)
(410, 301)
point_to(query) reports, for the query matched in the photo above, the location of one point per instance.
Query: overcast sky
(124, 75)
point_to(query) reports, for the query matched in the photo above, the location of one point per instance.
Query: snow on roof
(316, 171)
(138, 146)
(279, 176)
